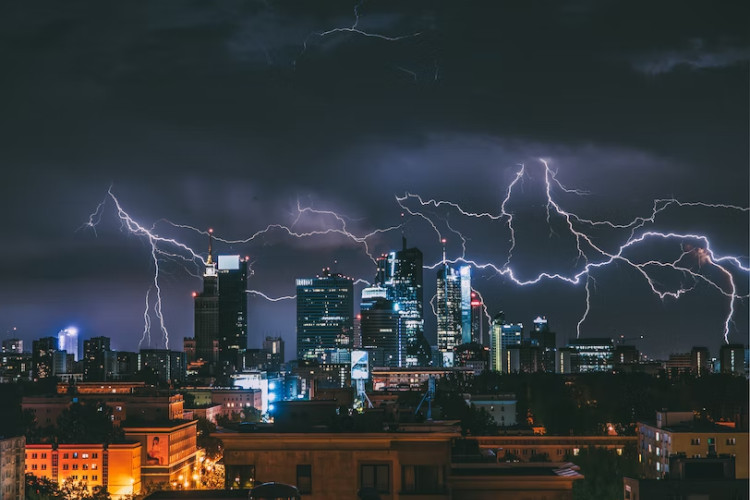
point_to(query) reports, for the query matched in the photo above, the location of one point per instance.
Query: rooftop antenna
(210, 259)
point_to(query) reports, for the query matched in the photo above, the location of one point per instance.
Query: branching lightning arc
(695, 255)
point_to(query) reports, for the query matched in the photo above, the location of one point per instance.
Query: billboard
(157, 449)
(360, 365)
(229, 262)
(448, 360)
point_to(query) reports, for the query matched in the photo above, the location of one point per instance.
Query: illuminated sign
(448, 360)
(229, 262)
(157, 449)
(360, 365)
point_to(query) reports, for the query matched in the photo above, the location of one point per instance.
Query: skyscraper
(42, 357)
(503, 335)
(400, 274)
(96, 363)
(477, 316)
(496, 345)
(542, 336)
(449, 317)
(381, 333)
(221, 313)
(325, 316)
(465, 273)
(232, 312)
(67, 340)
(206, 310)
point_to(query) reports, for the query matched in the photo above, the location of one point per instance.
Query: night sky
(227, 114)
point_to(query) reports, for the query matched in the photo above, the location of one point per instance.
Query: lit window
(84, 455)
(576, 451)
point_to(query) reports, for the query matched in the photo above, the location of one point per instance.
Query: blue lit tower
(465, 273)
(325, 316)
(449, 317)
(67, 340)
(400, 273)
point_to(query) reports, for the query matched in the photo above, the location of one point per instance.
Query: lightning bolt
(354, 28)
(159, 249)
(164, 248)
(592, 255)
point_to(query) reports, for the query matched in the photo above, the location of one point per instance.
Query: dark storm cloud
(224, 114)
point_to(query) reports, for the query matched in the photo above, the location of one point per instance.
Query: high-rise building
(206, 310)
(477, 316)
(95, 359)
(465, 273)
(382, 335)
(448, 302)
(232, 312)
(12, 346)
(503, 335)
(67, 340)
(522, 358)
(542, 336)
(400, 274)
(275, 347)
(591, 355)
(325, 316)
(496, 347)
(188, 347)
(168, 366)
(221, 313)
(42, 357)
(732, 359)
(700, 361)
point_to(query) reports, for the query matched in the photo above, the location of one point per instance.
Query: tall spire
(210, 259)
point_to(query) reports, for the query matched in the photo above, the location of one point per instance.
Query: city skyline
(239, 117)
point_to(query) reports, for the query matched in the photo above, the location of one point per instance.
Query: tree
(41, 488)
(87, 423)
(212, 445)
(603, 471)
(74, 490)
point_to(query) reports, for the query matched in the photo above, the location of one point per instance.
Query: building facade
(232, 313)
(396, 466)
(680, 433)
(400, 273)
(382, 334)
(116, 467)
(12, 468)
(168, 452)
(325, 316)
(449, 312)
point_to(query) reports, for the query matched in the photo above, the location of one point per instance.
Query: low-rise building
(115, 466)
(501, 407)
(411, 378)
(680, 433)
(395, 465)
(12, 468)
(710, 478)
(168, 451)
(157, 407)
